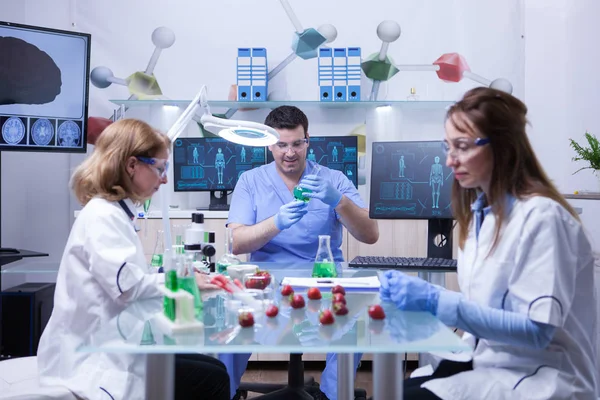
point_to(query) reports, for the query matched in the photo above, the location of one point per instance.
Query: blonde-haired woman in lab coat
(103, 270)
(525, 268)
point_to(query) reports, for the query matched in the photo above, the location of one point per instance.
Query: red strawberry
(376, 312)
(338, 289)
(246, 319)
(257, 282)
(326, 317)
(287, 290)
(340, 309)
(296, 301)
(272, 311)
(266, 275)
(338, 298)
(314, 293)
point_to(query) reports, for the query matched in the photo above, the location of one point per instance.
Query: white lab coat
(543, 268)
(102, 270)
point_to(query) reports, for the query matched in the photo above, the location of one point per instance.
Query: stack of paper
(363, 282)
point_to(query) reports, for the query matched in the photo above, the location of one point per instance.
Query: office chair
(297, 387)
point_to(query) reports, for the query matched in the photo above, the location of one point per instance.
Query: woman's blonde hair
(502, 118)
(104, 173)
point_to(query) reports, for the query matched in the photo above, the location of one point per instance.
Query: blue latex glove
(290, 213)
(322, 189)
(408, 293)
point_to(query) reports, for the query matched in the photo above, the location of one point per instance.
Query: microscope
(200, 242)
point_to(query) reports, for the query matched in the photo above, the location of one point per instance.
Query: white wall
(562, 92)
(556, 58)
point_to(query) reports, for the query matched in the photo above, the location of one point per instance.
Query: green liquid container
(157, 260)
(147, 205)
(222, 268)
(188, 283)
(228, 258)
(324, 266)
(298, 193)
(168, 303)
(324, 270)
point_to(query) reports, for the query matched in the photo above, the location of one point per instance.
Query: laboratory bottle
(157, 260)
(324, 266)
(413, 96)
(187, 276)
(228, 258)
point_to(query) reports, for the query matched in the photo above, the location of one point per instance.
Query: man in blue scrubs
(272, 226)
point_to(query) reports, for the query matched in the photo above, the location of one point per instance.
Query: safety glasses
(297, 146)
(160, 165)
(463, 147)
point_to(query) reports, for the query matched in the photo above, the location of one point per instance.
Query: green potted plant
(590, 154)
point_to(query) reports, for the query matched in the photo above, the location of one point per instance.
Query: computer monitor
(410, 180)
(44, 84)
(202, 164)
(335, 152)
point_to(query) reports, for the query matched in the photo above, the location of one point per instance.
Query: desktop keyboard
(218, 207)
(408, 263)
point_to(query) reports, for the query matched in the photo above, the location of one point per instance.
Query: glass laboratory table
(136, 330)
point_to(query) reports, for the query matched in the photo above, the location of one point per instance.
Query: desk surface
(136, 329)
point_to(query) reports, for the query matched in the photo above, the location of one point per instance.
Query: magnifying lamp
(241, 132)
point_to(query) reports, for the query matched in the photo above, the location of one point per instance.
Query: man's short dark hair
(287, 117)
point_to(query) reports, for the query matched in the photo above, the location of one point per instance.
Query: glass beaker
(324, 266)
(228, 258)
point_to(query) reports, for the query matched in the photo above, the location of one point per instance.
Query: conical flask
(147, 335)
(324, 266)
(228, 258)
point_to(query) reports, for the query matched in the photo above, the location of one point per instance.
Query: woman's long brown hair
(501, 117)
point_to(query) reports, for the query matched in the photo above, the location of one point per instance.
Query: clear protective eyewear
(297, 146)
(463, 147)
(160, 165)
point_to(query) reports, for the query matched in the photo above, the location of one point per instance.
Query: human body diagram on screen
(436, 181)
(220, 165)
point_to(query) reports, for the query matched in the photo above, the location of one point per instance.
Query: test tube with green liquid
(171, 284)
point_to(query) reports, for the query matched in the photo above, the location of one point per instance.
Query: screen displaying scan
(335, 152)
(44, 83)
(410, 180)
(205, 164)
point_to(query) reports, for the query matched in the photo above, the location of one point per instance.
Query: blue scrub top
(260, 192)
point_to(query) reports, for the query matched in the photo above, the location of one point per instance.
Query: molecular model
(306, 41)
(450, 67)
(140, 84)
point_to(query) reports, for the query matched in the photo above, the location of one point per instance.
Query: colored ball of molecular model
(141, 84)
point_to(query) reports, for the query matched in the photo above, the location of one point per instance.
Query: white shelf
(184, 214)
(222, 105)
